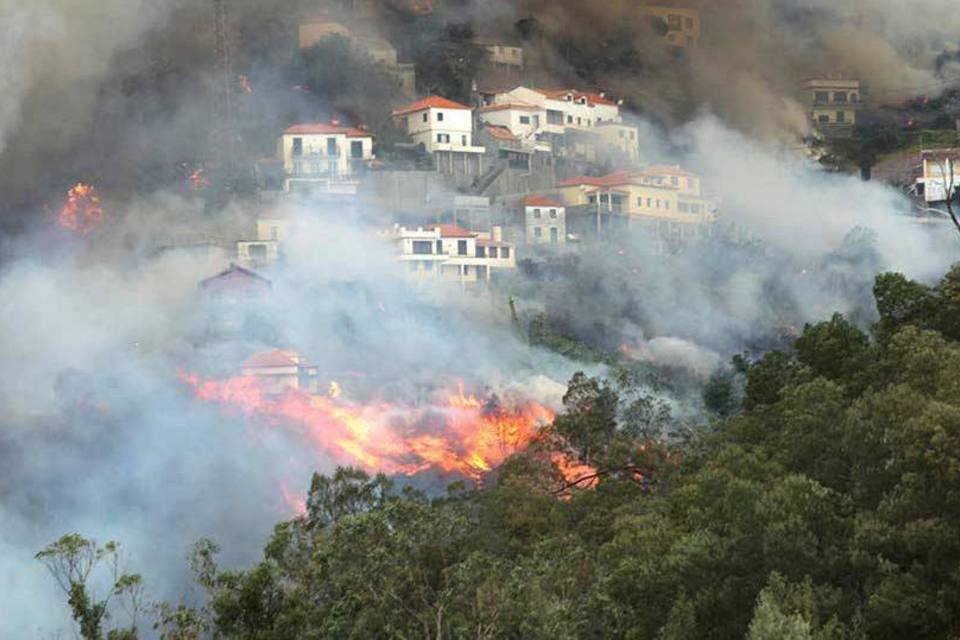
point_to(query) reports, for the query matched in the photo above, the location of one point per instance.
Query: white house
(940, 171)
(448, 252)
(545, 220)
(523, 120)
(563, 108)
(439, 124)
(325, 153)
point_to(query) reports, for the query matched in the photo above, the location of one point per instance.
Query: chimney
(497, 234)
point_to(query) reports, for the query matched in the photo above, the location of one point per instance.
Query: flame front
(82, 212)
(458, 436)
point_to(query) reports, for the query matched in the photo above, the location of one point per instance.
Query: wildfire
(82, 212)
(459, 435)
(421, 7)
(197, 180)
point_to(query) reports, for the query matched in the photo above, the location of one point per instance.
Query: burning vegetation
(82, 212)
(457, 435)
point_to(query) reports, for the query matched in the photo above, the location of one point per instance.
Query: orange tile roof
(452, 231)
(275, 358)
(500, 133)
(502, 106)
(325, 128)
(561, 94)
(611, 180)
(433, 102)
(541, 201)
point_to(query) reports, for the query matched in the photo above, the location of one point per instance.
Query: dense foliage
(826, 506)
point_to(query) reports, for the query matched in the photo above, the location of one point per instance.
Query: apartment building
(324, 157)
(450, 253)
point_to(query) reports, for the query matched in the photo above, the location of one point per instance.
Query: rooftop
(500, 133)
(326, 128)
(275, 358)
(433, 102)
(576, 94)
(541, 201)
(451, 231)
(503, 106)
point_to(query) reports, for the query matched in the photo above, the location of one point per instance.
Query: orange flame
(82, 212)
(461, 436)
(198, 181)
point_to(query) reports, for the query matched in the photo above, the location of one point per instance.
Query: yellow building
(833, 102)
(682, 22)
(657, 193)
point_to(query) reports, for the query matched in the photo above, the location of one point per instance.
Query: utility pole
(223, 134)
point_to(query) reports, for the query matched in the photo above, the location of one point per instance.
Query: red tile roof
(275, 358)
(325, 128)
(452, 231)
(500, 133)
(487, 242)
(611, 180)
(561, 94)
(541, 201)
(433, 102)
(502, 106)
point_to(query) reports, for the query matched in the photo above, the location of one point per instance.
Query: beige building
(312, 31)
(656, 194)
(680, 24)
(501, 54)
(280, 371)
(833, 103)
(450, 253)
(324, 157)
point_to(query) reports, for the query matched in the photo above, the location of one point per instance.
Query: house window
(505, 252)
(633, 135)
(569, 119)
(688, 23)
(422, 247)
(840, 96)
(493, 252)
(537, 213)
(553, 213)
(461, 247)
(821, 97)
(443, 137)
(426, 116)
(481, 252)
(356, 149)
(524, 119)
(554, 117)
(578, 120)
(666, 205)
(824, 119)
(554, 235)
(274, 233)
(439, 116)
(439, 247)
(674, 22)
(649, 203)
(841, 116)
(592, 199)
(658, 204)
(298, 147)
(537, 232)
(683, 208)
(675, 181)
(639, 202)
(331, 146)
(463, 140)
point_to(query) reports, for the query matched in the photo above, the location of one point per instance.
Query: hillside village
(514, 164)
